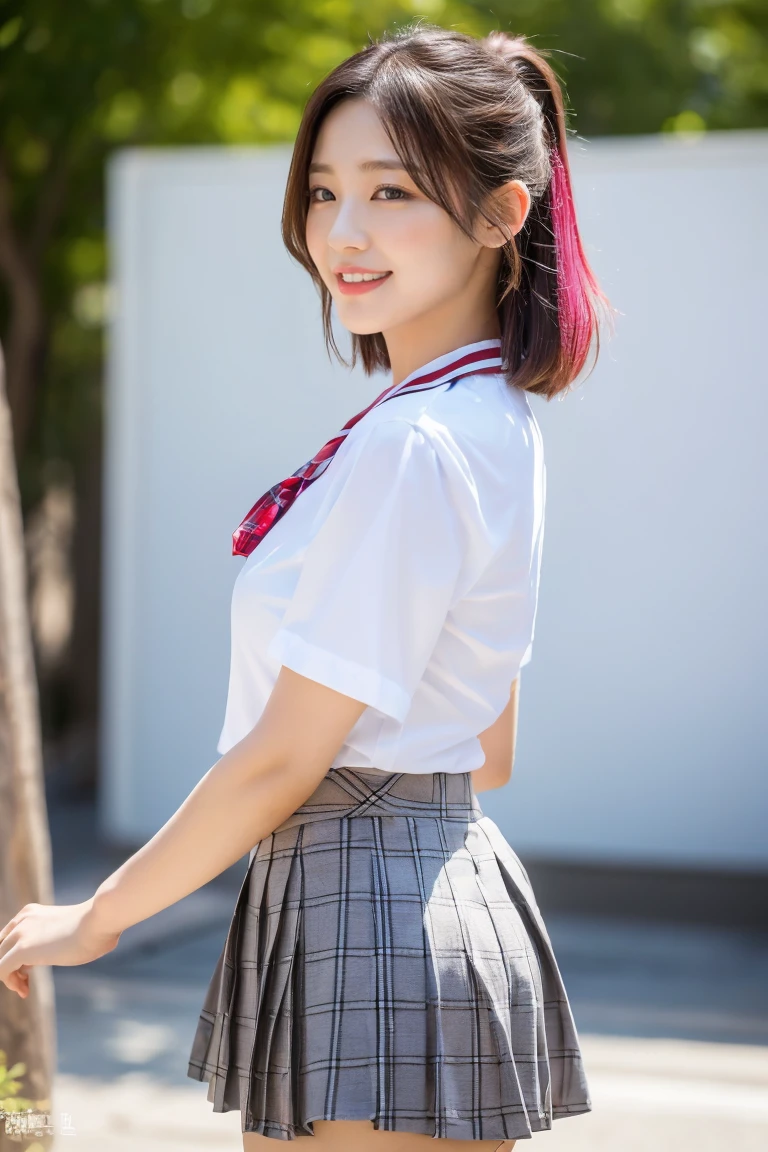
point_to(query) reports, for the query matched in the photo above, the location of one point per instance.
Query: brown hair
(466, 115)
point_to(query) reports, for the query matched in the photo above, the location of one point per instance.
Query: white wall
(643, 726)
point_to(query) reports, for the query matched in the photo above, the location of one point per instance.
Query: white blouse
(405, 576)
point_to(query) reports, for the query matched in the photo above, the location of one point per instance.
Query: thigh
(361, 1136)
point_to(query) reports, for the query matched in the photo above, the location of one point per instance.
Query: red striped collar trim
(482, 355)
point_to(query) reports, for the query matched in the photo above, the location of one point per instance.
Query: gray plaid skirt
(387, 960)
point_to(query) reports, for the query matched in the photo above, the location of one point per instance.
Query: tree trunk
(27, 1027)
(24, 339)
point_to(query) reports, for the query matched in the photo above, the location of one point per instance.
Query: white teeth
(356, 277)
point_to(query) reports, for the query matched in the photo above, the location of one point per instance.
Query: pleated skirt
(386, 960)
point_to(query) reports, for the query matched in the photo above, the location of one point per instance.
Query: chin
(358, 331)
(360, 327)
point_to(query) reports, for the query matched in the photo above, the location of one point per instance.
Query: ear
(512, 202)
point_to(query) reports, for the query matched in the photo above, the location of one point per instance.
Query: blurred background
(146, 303)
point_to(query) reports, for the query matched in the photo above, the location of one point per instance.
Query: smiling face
(367, 218)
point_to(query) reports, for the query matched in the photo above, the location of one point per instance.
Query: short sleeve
(381, 571)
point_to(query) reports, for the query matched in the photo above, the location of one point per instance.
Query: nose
(348, 227)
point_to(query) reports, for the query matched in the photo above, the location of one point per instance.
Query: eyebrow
(364, 166)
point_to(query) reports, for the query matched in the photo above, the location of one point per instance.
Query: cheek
(315, 234)
(430, 247)
(411, 234)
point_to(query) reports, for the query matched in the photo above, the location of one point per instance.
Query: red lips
(357, 287)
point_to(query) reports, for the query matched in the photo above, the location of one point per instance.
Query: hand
(50, 934)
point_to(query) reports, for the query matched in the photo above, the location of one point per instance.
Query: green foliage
(10, 1087)
(638, 66)
(78, 81)
(10, 1084)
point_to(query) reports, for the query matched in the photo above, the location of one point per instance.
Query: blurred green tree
(79, 81)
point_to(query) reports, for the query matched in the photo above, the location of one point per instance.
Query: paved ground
(674, 1023)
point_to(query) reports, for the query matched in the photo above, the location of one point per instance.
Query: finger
(14, 984)
(7, 946)
(19, 979)
(10, 962)
(8, 927)
(17, 984)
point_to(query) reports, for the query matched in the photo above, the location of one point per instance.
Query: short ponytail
(556, 275)
(468, 115)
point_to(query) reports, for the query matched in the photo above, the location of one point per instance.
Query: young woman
(387, 977)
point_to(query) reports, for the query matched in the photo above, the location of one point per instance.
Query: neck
(411, 346)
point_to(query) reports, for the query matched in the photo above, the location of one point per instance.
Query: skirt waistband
(368, 792)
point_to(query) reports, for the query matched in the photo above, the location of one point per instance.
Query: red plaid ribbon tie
(278, 499)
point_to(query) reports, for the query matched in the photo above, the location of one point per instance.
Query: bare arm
(253, 788)
(240, 800)
(498, 743)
